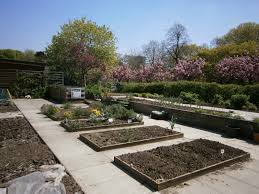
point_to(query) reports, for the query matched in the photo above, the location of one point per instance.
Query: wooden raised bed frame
(159, 185)
(128, 144)
(100, 126)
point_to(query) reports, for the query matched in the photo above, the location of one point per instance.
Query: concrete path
(95, 173)
(247, 115)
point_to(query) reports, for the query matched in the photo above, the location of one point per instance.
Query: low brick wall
(201, 120)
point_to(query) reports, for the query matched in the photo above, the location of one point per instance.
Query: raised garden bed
(85, 124)
(23, 152)
(195, 118)
(167, 166)
(107, 140)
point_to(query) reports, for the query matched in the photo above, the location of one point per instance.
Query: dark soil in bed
(7, 107)
(87, 123)
(127, 135)
(22, 152)
(168, 162)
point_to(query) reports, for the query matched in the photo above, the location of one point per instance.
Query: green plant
(96, 105)
(29, 84)
(49, 109)
(250, 106)
(173, 122)
(79, 112)
(67, 105)
(118, 111)
(189, 97)
(93, 91)
(205, 90)
(218, 100)
(238, 101)
(73, 124)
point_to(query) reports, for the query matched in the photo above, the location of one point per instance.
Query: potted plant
(256, 130)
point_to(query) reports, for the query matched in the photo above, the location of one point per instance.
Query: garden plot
(86, 125)
(113, 139)
(22, 152)
(166, 166)
(7, 106)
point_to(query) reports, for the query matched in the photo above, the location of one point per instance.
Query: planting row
(22, 152)
(97, 115)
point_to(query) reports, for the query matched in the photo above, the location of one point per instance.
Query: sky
(30, 24)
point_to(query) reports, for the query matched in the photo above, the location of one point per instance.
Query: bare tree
(177, 38)
(155, 52)
(151, 52)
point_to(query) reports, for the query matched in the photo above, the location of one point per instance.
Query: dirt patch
(127, 135)
(7, 107)
(88, 123)
(22, 152)
(84, 125)
(167, 162)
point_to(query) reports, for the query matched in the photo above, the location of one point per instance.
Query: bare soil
(108, 138)
(22, 152)
(168, 162)
(7, 107)
(87, 123)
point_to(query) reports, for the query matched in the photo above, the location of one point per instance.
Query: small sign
(76, 93)
(222, 151)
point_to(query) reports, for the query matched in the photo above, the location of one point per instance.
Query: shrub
(239, 100)
(96, 105)
(250, 106)
(118, 111)
(227, 104)
(67, 106)
(79, 112)
(49, 109)
(218, 100)
(29, 84)
(93, 91)
(189, 97)
(206, 91)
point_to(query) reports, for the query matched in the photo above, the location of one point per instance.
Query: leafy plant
(238, 101)
(73, 124)
(118, 111)
(173, 122)
(79, 112)
(49, 109)
(189, 97)
(29, 84)
(67, 106)
(218, 100)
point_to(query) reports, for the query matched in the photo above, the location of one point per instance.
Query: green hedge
(205, 90)
(29, 84)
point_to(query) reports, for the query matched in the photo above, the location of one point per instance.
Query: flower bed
(22, 152)
(85, 125)
(67, 111)
(127, 137)
(166, 166)
(196, 118)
